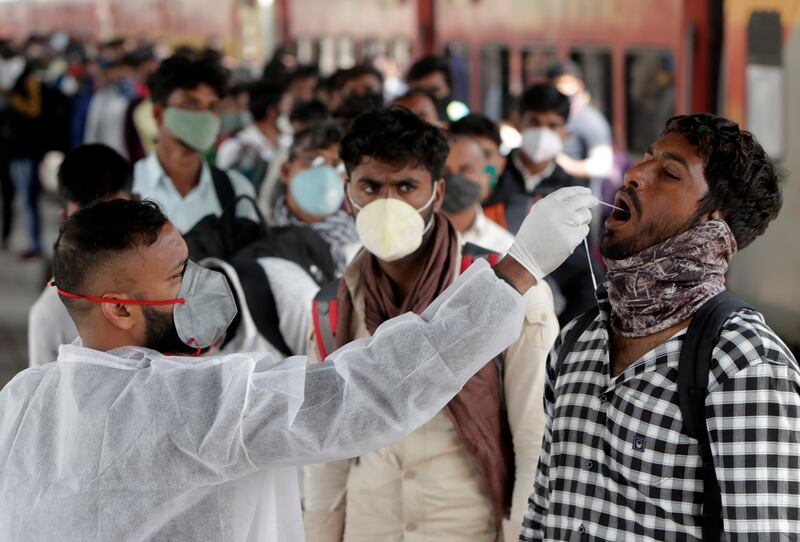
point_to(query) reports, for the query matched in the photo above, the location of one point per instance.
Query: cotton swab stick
(591, 268)
(614, 207)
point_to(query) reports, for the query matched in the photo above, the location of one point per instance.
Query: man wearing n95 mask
(125, 440)
(466, 473)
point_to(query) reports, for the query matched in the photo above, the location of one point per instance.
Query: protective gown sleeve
(374, 391)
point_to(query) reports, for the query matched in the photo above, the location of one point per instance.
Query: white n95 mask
(203, 308)
(390, 228)
(541, 144)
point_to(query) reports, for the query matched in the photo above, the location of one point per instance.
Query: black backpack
(693, 369)
(241, 242)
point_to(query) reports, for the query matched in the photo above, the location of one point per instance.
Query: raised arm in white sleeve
(374, 391)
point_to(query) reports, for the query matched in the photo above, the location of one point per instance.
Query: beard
(160, 334)
(650, 235)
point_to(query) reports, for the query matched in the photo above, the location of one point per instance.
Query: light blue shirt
(151, 182)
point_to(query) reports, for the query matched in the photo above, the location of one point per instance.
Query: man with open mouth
(672, 408)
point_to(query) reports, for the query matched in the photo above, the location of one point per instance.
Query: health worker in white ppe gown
(129, 438)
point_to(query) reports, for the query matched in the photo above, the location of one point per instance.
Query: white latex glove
(553, 228)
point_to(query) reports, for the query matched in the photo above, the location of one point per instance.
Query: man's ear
(347, 206)
(285, 173)
(158, 113)
(439, 198)
(118, 313)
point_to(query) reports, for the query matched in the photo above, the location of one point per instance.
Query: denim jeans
(25, 175)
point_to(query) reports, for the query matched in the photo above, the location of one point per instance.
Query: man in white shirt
(186, 92)
(466, 184)
(89, 174)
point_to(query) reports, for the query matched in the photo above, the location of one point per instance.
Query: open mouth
(623, 211)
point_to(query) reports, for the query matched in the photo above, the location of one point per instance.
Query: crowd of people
(253, 215)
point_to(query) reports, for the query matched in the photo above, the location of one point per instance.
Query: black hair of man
(317, 137)
(563, 67)
(262, 96)
(427, 65)
(477, 125)
(411, 93)
(186, 72)
(742, 182)
(93, 172)
(357, 71)
(310, 113)
(94, 237)
(544, 98)
(395, 136)
(304, 71)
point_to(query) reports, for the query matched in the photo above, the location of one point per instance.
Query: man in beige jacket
(466, 474)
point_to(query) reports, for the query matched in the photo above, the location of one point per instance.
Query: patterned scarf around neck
(665, 284)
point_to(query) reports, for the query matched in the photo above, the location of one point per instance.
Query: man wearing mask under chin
(466, 181)
(314, 191)
(186, 92)
(464, 475)
(619, 460)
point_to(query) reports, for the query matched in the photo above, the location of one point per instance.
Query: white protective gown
(133, 445)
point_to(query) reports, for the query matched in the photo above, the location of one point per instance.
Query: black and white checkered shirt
(615, 464)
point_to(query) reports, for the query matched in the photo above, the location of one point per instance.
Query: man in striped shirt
(616, 461)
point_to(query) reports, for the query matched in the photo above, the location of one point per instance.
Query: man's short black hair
(742, 181)
(311, 112)
(262, 96)
(304, 71)
(317, 137)
(395, 136)
(93, 237)
(544, 98)
(411, 93)
(477, 125)
(563, 67)
(185, 72)
(427, 65)
(357, 71)
(93, 172)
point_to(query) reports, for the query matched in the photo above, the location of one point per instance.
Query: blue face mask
(318, 191)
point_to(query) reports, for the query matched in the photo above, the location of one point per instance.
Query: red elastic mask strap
(175, 301)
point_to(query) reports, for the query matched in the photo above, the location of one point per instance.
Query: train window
(400, 52)
(305, 50)
(595, 63)
(649, 97)
(327, 55)
(494, 81)
(766, 97)
(372, 48)
(458, 53)
(345, 52)
(535, 61)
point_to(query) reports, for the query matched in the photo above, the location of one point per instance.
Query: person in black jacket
(532, 171)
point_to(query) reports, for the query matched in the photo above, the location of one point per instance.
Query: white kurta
(133, 445)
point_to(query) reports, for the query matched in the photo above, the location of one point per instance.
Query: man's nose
(638, 176)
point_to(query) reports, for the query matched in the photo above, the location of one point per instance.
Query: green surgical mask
(196, 129)
(492, 172)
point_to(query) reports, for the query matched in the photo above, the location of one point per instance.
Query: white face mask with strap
(390, 228)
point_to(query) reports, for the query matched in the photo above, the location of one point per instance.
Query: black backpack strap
(471, 252)
(223, 187)
(693, 370)
(261, 303)
(325, 317)
(581, 324)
